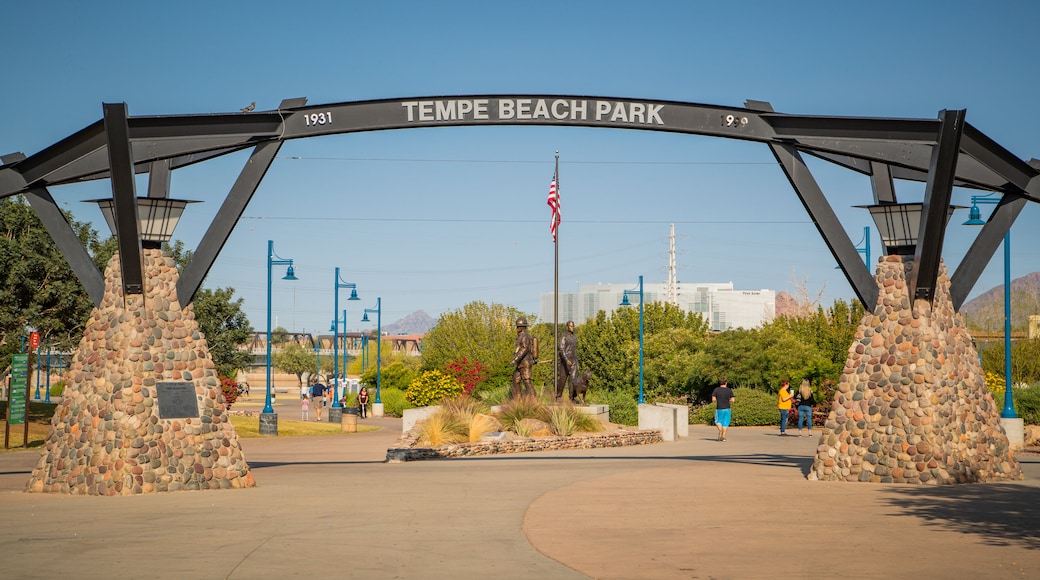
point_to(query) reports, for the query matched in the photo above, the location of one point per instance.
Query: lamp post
(625, 302)
(335, 338)
(975, 219)
(268, 418)
(378, 310)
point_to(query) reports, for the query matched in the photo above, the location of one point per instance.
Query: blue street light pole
(378, 310)
(47, 396)
(975, 219)
(625, 302)
(865, 250)
(335, 338)
(272, 260)
(38, 369)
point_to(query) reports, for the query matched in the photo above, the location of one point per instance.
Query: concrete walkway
(328, 507)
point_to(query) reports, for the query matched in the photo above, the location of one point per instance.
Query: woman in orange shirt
(784, 404)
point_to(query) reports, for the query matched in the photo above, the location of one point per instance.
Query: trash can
(349, 420)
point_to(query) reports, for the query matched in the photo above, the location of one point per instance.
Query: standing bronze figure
(567, 364)
(523, 358)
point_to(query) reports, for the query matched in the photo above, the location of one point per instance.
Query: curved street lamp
(625, 302)
(975, 219)
(335, 337)
(378, 310)
(273, 259)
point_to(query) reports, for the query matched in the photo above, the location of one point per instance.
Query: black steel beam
(881, 183)
(985, 246)
(937, 195)
(36, 168)
(68, 243)
(827, 223)
(991, 155)
(857, 128)
(224, 222)
(159, 179)
(124, 204)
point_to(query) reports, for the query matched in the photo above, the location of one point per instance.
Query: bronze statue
(523, 358)
(567, 364)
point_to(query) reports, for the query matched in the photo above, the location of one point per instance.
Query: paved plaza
(329, 507)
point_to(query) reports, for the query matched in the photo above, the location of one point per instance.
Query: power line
(519, 161)
(520, 221)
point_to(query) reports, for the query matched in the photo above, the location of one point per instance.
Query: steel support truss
(943, 153)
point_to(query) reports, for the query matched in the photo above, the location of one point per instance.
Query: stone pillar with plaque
(143, 410)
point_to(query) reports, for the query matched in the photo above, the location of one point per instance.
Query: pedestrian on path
(304, 409)
(805, 402)
(318, 398)
(362, 402)
(783, 403)
(723, 398)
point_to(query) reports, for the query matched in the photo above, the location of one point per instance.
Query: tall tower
(672, 292)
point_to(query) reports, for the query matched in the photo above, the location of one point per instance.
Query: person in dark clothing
(723, 398)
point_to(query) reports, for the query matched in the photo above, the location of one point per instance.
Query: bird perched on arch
(251, 106)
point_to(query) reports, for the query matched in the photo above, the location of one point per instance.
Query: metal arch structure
(943, 153)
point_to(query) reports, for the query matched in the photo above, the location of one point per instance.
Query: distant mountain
(417, 322)
(986, 311)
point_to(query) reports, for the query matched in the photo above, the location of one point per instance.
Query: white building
(720, 304)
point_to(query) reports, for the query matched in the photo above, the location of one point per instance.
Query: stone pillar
(912, 404)
(106, 436)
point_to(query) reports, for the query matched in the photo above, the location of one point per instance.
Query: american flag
(554, 203)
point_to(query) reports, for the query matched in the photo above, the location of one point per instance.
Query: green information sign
(19, 389)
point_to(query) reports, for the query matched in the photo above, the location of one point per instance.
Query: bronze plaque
(177, 400)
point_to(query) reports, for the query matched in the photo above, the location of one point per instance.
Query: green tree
(38, 289)
(831, 332)
(294, 359)
(477, 331)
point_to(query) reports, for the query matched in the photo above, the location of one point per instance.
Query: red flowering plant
(469, 373)
(230, 390)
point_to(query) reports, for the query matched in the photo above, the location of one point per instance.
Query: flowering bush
(468, 373)
(431, 387)
(230, 390)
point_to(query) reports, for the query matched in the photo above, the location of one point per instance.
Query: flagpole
(556, 282)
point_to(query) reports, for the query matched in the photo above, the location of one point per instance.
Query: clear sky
(431, 219)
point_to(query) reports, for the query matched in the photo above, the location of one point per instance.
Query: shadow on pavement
(1002, 514)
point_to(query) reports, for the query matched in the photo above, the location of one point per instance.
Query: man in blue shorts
(723, 398)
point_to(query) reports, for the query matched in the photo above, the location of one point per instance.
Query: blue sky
(431, 219)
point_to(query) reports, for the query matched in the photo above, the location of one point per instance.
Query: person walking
(318, 398)
(784, 404)
(723, 398)
(362, 402)
(804, 402)
(304, 409)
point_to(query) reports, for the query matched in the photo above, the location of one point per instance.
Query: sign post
(18, 400)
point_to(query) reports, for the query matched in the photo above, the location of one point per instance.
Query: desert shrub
(480, 424)
(624, 409)
(1027, 403)
(463, 407)
(58, 389)
(583, 422)
(431, 387)
(230, 390)
(394, 402)
(442, 429)
(561, 420)
(751, 407)
(523, 407)
(493, 394)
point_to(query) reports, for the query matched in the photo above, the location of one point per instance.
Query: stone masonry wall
(106, 437)
(912, 404)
